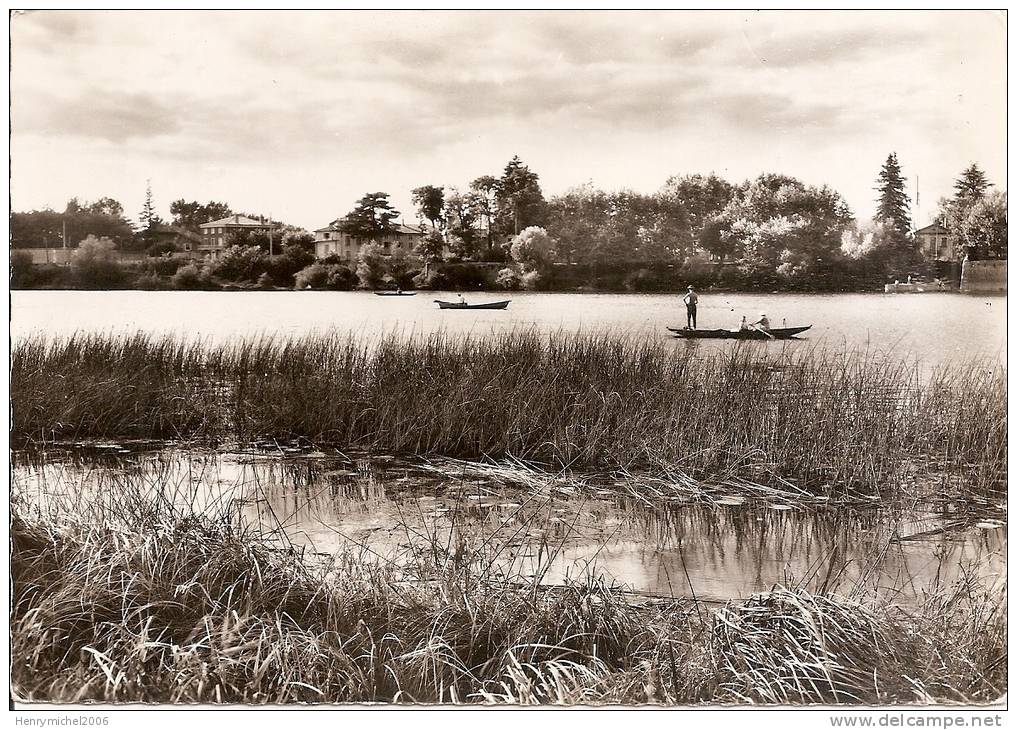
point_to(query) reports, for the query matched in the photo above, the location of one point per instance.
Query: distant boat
(780, 333)
(462, 305)
(396, 293)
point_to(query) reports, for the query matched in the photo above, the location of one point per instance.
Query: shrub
(371, 267)
(161, 247)
(314, 276)
(508, 278)
(532, 280)
(191, 276)
(341, 277)
(94, 264)
(240, 263)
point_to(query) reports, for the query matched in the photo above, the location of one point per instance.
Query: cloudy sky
(297, 114)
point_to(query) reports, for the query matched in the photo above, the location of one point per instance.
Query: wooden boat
(458, 305)
(396, 293)
(779, 333)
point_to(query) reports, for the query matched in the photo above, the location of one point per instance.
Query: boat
(396, 293)
(778, 333)
(460, 305)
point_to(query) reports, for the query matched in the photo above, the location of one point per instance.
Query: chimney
(236, 218)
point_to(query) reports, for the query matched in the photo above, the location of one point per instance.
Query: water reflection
(325, 502)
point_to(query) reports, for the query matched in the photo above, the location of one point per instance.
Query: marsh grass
(809, 421)
(129, 599)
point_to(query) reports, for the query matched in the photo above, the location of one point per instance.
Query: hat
(690, 286)
(762, 314)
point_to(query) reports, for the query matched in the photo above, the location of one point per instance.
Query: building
(936, 243)
(216, 235)
(187, 243)
(330, 240)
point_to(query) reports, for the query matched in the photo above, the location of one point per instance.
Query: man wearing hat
(690, 300)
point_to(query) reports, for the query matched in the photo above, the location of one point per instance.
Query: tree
(533, 249)
(371, 218)
(688, 203)
(192, 214)
(94, 263)
(371, 267)
(430, 249)
(971, 185)
(430, 202)
(485, 188)
(520, 202)
(461, 214)
(106, 206)
(148, 217)
(894, 202)
(983, 230)
(240, 263)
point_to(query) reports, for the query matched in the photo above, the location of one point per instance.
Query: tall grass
(826, 422)
(133, 600)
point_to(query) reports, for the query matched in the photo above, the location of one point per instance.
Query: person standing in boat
(691, 299)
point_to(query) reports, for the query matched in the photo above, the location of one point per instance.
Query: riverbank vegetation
(123, 599)
(822, 423)
(770, 233)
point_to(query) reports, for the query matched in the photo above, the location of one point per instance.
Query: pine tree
(894, 203)
(971, 185)
(371, 217)
(147, 218)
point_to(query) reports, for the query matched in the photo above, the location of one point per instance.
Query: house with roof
(186, 242)
(215, 235)
(936, 243)
(332, 240)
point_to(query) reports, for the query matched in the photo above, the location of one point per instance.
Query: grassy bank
(829, 424)
(129, 600)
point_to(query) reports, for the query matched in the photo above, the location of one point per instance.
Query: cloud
(113, 116)
(789, 50)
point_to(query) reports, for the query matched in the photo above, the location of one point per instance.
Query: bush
(163, 265)
(371, 267)
(508, 278)
(94, 264)
(533, 280)
(314, 276)
(161, 247)
(240, 263)
(192, 276)
(341, 278)
(321, 276)
(152, 282)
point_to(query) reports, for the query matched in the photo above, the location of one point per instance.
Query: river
(933, 328)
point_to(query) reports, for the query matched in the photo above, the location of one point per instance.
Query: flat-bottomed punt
(396, 293)
(460, 305)
(779, 333)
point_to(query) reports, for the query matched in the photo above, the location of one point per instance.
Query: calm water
(548, 530)
(934, 328)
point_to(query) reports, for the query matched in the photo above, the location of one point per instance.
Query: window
(328, 236)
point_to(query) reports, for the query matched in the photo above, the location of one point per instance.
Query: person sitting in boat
(763, 323)
(462, 299)
(690, 299)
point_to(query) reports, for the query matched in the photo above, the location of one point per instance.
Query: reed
(130, 599)
(815, 421)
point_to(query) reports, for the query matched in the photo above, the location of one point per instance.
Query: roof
(411, 229)
(933, 228)
(237, 220)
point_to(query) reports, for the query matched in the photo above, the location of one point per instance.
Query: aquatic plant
(807, 420)
(129, 599)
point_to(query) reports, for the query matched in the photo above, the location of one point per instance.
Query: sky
(297, 114)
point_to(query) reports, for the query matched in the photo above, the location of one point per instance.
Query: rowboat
(396, 293)
(779, 333)
(459, 305)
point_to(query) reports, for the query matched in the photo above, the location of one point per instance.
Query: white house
(331, 240)
(215, 234)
